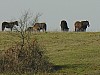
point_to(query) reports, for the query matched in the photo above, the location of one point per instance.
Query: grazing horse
(29, 29)
(39, 26)
(81, 26)
(9, 25)
(64, 26)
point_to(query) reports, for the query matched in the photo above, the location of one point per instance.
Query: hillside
(72, 53)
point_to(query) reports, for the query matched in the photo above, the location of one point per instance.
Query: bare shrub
(30, 59)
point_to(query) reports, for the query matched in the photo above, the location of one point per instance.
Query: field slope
(72, 53)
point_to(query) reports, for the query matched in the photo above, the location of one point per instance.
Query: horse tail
(45, 26)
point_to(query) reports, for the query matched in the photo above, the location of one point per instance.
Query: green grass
(72, 53)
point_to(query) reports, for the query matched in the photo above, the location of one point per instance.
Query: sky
(53, 11)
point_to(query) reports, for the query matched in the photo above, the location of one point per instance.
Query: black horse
(9, 25)
(64, 26)
(84, 24)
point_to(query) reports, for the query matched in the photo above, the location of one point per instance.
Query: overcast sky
(54, 11)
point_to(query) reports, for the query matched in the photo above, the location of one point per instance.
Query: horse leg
(43, 30)
(63, 29)
(84, 30)
(75, 28)
(38, 30)
(11, 29)
(2, 29)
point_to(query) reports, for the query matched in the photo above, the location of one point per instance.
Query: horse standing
(81, 26)
(40, 26)
(9, 25)
(84, 24)
(77, 26)
(30, 29)
(64, 26)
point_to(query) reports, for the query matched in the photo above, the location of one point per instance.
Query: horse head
(16, 23)
(88, 23)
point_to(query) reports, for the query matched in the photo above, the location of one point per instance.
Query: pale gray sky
(54, 11)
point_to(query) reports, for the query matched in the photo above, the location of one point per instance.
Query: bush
(22, 59)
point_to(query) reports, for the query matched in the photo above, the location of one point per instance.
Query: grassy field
(72, 53)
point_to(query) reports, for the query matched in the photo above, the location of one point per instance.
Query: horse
(39, 26)
(77, 26)
(84, 24)
(64, 26)
(9, 25)
(81, 26)
(30, 29)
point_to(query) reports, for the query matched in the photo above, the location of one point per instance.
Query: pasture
(73, 53)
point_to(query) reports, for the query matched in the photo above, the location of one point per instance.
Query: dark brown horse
(40, 26)
(9, 25)
(81, 26)
(64, 26)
